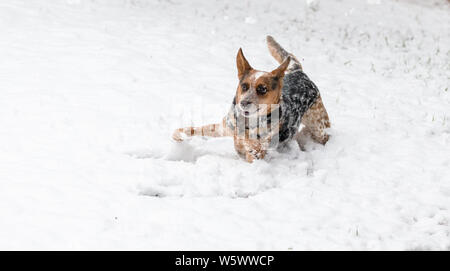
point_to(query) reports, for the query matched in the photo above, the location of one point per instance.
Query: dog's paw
(249, 157)
(178, 135)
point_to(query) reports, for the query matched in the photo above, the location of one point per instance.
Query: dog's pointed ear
(279, 72)
(242, 64)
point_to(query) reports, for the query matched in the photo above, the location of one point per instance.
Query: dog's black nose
(245, 103)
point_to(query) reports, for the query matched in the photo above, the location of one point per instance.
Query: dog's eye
(244, 87)
(261, 89)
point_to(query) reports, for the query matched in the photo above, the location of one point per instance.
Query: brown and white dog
(268, 108)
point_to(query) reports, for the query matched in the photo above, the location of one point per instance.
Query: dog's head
(257, 90)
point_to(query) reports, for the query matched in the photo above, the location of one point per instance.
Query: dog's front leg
(250, 149)
(213, 130)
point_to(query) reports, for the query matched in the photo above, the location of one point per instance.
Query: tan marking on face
(259, 88)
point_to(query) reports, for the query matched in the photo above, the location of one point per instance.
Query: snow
(91, 91)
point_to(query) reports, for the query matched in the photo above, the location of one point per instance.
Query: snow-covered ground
(90, 92)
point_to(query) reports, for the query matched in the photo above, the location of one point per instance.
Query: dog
(268, 108)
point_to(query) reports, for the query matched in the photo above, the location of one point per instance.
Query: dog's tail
(280, 54)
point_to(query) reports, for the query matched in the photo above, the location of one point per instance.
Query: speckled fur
(309, 109)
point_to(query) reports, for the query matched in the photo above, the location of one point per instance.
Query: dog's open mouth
(248, 112)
